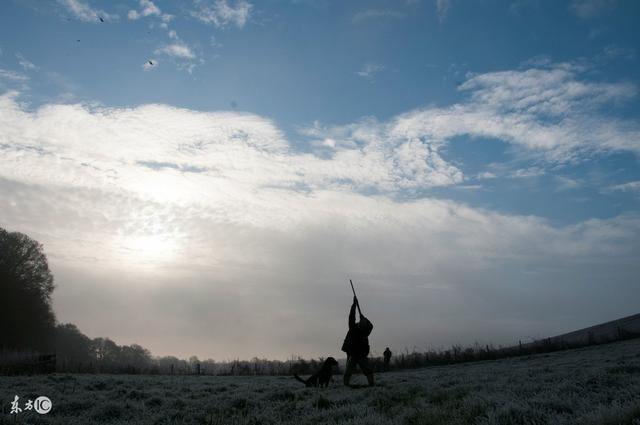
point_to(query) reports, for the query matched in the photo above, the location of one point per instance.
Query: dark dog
(322, 377)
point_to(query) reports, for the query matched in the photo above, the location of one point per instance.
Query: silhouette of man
(356, 345)
(387, 358)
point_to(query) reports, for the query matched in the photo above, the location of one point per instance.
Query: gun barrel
(354, 294)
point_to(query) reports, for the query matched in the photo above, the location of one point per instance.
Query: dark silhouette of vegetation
(72, 347)
(26, 285)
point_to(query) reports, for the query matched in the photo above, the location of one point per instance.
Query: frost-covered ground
(595, 385)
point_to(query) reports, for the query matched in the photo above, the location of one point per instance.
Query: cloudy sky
(207, 175)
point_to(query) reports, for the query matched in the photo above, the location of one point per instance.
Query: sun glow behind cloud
(149, 250)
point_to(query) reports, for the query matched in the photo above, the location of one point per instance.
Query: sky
(207, 175)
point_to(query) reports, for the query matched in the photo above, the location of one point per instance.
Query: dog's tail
(295, 375)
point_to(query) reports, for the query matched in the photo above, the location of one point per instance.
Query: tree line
(33, 342)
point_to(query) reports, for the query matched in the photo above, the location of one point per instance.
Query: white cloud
(24, 63)
(364, 15)
(542, 110)
(173, 34)
(179, 50)
(442, 8)
(369, 70)
(468, 187)
(486, 175)
(240, 148)
(11, 82)
(222, 14)
(82, 11)
(7, 74)
(612, 52)
(633, 186)
(567, 183)
(526, 173)
(549, 91)
(148, 8)
(590, 8)
(549, 111)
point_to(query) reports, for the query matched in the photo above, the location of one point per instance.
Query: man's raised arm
(352, 313)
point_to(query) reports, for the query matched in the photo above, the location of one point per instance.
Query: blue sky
(507, 132)
(337, 62)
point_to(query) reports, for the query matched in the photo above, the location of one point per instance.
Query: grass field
(594, 385)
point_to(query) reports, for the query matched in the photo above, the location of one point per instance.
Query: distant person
(387, 358)
(356, 345)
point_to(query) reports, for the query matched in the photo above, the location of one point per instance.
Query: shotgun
(354, 294)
